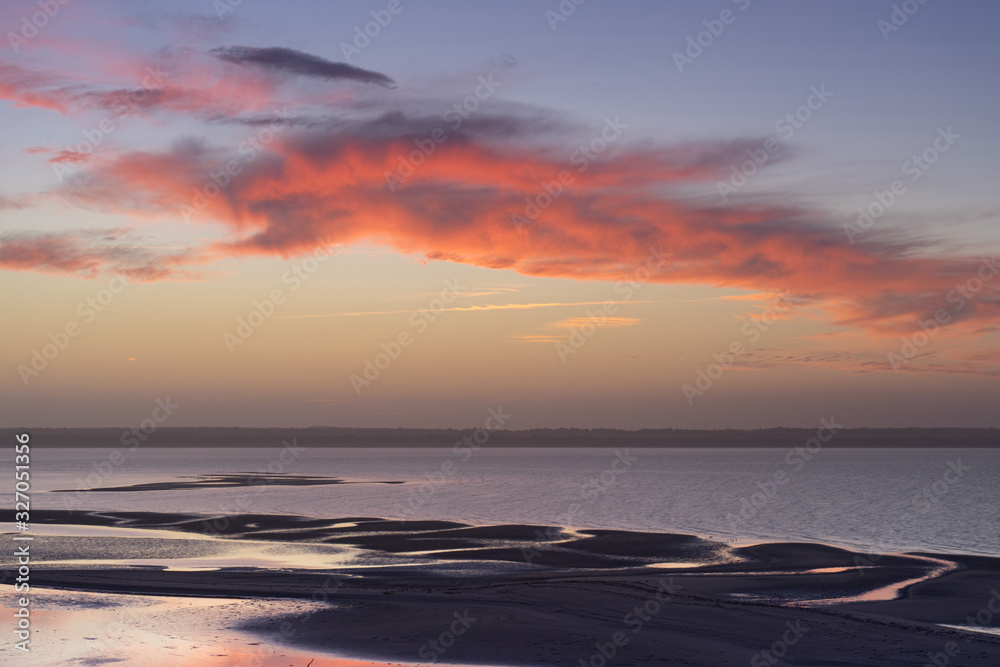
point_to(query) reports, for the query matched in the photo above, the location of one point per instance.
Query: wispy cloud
(486, 291)
(613, 322)
(540, 338)
(928, 361)
(468, 309)
(14, 203)
(561, 326)
(756, 296)
(88, 253)
(826, 335)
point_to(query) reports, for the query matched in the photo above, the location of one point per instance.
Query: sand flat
(529, 595)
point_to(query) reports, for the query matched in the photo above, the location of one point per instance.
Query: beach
(416, 592)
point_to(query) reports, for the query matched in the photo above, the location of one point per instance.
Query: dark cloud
(281, 59)
(983, 364)
(87, 253)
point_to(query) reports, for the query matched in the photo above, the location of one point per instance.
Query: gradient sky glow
(104, 163)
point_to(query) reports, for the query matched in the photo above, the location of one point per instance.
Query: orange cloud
(613, 322)
(468, 309)
(496, 189)
(578, 323)
(318, 187)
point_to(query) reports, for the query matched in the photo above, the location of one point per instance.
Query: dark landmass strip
(221, 481)
(717, 604)
(561, 437)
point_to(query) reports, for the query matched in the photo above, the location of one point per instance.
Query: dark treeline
(558, 437)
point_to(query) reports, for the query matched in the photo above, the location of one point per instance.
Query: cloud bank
(496, 186)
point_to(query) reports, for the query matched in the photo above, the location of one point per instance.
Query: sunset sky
(634, 214)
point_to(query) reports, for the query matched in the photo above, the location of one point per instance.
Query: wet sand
(455, 593)
(75, 628)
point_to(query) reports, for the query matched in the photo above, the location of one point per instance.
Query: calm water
(879, 500)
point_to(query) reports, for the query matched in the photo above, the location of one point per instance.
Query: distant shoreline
(780, 438)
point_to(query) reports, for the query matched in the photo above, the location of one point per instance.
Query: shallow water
(876, 501)
(883, 500)
(77, 628)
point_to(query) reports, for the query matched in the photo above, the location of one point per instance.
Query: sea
(944, 501)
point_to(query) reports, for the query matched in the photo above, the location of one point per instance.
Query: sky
(723, 214)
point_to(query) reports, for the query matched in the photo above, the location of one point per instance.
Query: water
(882, 500)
